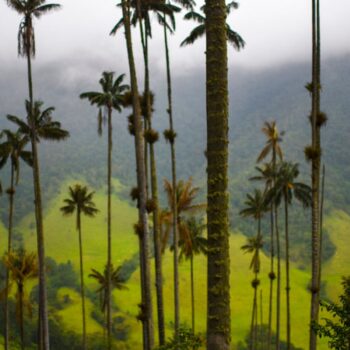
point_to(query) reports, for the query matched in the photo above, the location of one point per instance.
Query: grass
(62, 245)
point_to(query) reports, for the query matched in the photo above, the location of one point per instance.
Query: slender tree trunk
(261, 338)
(278, 306)
(287, 273)
(218, 304)
(82, 288)
(147, 318)
(9, 248)
(252, 344)
(154, 189)
(271, 276)
(43, 315)
(321, 223)
(315, 173)
(192, 296)
(109, 230)
(174, 185)
(21, 320)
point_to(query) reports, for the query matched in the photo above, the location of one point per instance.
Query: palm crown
(40, 124)
(79, 200)
(233, 37)
(254, 245)
(117, 282)
(255, 205)
(29, 9)
(13, 148)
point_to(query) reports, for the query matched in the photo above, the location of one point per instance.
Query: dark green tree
(285, 189)
(80, 201)
(193, 243)
(39, 125)
(143, 233)
(336, 328)
(111, 97)
(12, 148)
(31, 9)
(23, 266)
(256, 208)
(272, 146)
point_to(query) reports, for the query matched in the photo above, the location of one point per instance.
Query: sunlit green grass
(62, 245)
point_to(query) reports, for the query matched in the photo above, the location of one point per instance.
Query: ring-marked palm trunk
(286, 219)
(271, 277)
(109, 229)
(315, 172)
(147, 319)
(218, 303)
(171, 138)
(82, 287)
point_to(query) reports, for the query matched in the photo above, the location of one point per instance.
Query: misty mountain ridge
(256, 96)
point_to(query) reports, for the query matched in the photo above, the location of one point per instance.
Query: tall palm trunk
(271, 277)
(174, 180)
(147, 319)
(253, 342)
(218, 303)
(82, 289)
(43, 315)
(157, 248)
(315, 172)
(154, 190)
(192, 295)
(261, 338)
(287, 272)
(9, 247)
(278, 306)
(109, 229)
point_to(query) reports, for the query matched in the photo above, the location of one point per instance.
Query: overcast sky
(275, 31)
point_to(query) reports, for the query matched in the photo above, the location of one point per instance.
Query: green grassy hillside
(62, 245)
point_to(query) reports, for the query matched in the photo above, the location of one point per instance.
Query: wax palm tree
(14, 149)
(23, 267)
(117, 282)
(111, 97)
(218, 301)
(272, 146)
(285, 189)
(233, 37)
(266, 174)
(254, 246)
(194, 244)
(256, 208)
(80, 201)
(40, 125)
(186, 195)
(147, 317)
(31, 9)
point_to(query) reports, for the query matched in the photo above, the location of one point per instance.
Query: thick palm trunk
(44, 341)
(9, 247)
(192, 296)
(315, 173)
(157, 248)
(109, 229)
(271, 277)
(174, 185)
(218, 303)
(82, 289)
(147, 319)
(287, 274)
